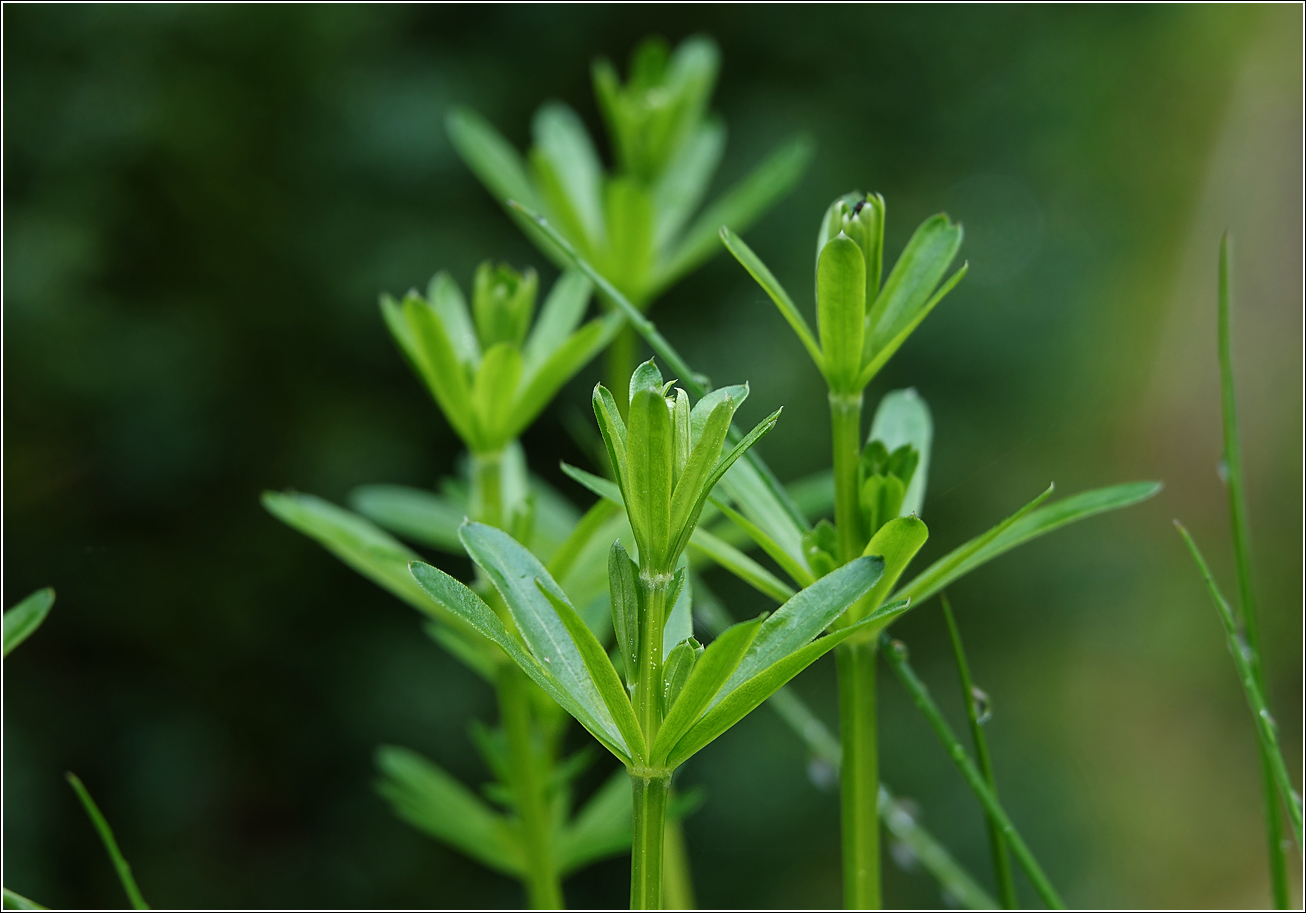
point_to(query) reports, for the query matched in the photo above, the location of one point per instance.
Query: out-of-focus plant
(1243, 628)
(642, 222)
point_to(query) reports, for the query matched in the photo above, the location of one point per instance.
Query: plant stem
(650, 796)
(859, 776)
(1001, 860)
(542, 885)
(110, 844)
(677, 880)
(896, 652)
(846, 436)
(648, 683)
(1233, 462)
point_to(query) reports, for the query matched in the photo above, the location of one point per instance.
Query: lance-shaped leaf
(904, 418)
(1027, 523)
(896, 543)
(625, 607)
(446, 298)
(414, 513)
(690, 492)
(584, 705)
(600, 669)
(803, 617)
(561, 138)
(493, 393)
(841, 311)
(684, 182)
(759, 271)
(746, 697)
(600, 829)
(559, 316)
(680, 663)
(612, 428)
(23, 619)
(648, 461)
(881, 357)
(432, 800)
(707, 404)
(514, 571)
(15, 901)
(422, 338)
(912, 282)
(795, 566)
(540, 385)
(680, 620)
(739, 564)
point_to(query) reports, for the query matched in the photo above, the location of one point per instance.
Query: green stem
(677, 880)
(543, 888)
(859, 776)
(896, 652)
(998, 847)
(110, 844)
(649, 683)
(487, 488)
(650, 795)
(1233, 462)
(846, 436)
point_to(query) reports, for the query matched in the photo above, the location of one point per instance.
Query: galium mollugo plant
(672, 700)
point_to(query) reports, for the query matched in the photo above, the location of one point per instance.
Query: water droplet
(983, 706)
(1222, 470)
(822, 774)
(899, 649)
(547, 660)
(1265, 715)
(904, 856)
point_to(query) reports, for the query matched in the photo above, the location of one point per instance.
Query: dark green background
(200, 207)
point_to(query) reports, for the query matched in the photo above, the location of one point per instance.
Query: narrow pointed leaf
(713, 668)
(602, 487)
(1028, 523)
(841, 311)
(420, 516)
(120, 864)
(23, 619)
(540, 386)
(462, 602)
(742, 566)
(739, 207)
(433, 801)
(904, 418)
(877, 358)
(914, 277)
(15, 901)
(680, 620)
(625, 607)
(437, 363)
(684, 182)
(561, 137)
(794, 566)
(605, 677)
(561, 313)
(707, 404)
(759, 271)
(896, 543)
(689, 493)
(648, 459)
(677, 668)
(446, 298)
(494, 393)
(613, 430)
(601, 829)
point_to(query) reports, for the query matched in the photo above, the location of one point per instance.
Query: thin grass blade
(110, 844)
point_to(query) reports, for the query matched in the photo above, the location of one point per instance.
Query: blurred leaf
(433, 801)
(494, 394)
(1019, 528)
(561, 313)
(795, 567)
(14, 901)
(739, 564)
(542, 385)
(561, 138)
(420, 516)
(629, 255)
(904, 418)
(110, 844)
(444, 295)
(600, 829)
(684, 182)
(758, 270)
(23, 619)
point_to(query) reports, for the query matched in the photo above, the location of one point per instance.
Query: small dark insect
(858, 207)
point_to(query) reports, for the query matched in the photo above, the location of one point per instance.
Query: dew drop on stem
(983, 706)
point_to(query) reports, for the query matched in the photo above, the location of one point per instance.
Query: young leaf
(645, 375)
(904, 418)
(707, 404)
(418, 515)
(541, 384)
(896, 543)
(758, 270)
(590, 712)
(648, 459)
(679, 624)
(710, 672)
(625, 607)
(559, 316)
(431, 800)
(876, 361)
(795, 566)
(1025, 524)
(110, 844)
(739, 564)
(841, 311)
(601, 828)
(438, 364)
(687, 499)
(23, 619)
(738, 207)
(494, 393)
(613, 430)
(676, 670)
(920, 267)
(804, 617)
(562, 139)
(600, 669)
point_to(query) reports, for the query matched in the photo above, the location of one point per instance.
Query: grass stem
(859, 776)
(650, 798)
(110, 844)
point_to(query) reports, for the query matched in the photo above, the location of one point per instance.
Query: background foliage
(200, 207)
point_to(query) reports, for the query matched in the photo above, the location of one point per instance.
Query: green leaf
(562, 139)
(15, 901)
(904, 418)
(463, 603)
(710, 672)
(680, 620)
(613, 430)
(433, 801)
(23, 619)
(803, 617)
(675, 672)
(446, 298)
(110, 844)
(540, 385)
(739, 564)
(625, 607)
(1018, 529)
(881, 356)
(494, 394)
(797, 569)
(759, 498)
(897, 543)
(691, 491)
(648, 459)
(601, 672)
(841, 311)
(758, 270)
(438, 365)
(745, 697)
(914, 277)
(684, 182)
(418, 515)
(707, 404)
(602, 487)
(738, 208)
(645, 375)
(729, 460)
(601, 829)
(514, 572)
(560, 315)
(628, 207)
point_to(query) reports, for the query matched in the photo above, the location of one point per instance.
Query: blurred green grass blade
(560, 136)
(110, 844)
(418, 515)
(739, 207)
(904, 418)
(742, 566)
(1026, 524)
(1243, 658)
(23, 619)
(684, 182)
(16, 901)
(997, 846)
(600, 829)
(433, 801)
(896, 653)
(559, 316)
